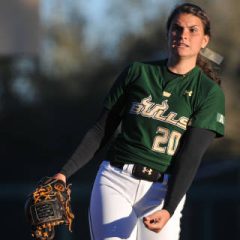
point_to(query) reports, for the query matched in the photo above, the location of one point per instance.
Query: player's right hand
(60, 176)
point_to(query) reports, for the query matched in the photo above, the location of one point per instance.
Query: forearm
(84, 152)
(93, 141)
(193, 147)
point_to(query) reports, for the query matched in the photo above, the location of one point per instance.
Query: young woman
(170, 111)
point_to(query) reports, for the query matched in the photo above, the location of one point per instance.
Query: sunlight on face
(186, 36)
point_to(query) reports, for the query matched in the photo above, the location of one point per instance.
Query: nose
(184, 33)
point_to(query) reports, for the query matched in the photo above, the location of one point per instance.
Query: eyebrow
(177, 24)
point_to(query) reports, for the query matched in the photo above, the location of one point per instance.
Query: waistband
(140, 171)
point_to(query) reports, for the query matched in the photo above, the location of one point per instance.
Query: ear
(205, 41)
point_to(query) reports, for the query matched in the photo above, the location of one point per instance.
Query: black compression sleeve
(194, 144)
(93, 141)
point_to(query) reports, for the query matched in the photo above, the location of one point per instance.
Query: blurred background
(58, 59)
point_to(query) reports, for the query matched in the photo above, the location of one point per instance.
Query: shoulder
(149, 67)
(208, 93)
(208, 86)
(146, 65)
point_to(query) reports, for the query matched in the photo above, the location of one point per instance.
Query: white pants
(119, 202)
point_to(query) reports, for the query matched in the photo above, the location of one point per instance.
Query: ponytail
(208, 69)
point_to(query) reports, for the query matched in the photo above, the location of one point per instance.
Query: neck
(181, 66)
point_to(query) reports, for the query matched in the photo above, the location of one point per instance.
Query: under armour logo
(147, 170)
(189, 93)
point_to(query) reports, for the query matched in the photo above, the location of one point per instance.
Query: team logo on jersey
(188, 93)
(149, 109)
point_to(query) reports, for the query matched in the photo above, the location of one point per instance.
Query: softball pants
(119, 202)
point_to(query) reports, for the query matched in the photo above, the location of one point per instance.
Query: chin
(183, 54)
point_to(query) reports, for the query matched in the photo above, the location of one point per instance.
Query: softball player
(170, 111)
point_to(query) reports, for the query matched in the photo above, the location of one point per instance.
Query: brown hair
(189, 8)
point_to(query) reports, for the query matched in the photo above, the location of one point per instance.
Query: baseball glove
(48, 206)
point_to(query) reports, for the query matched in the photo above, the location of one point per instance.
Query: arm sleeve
(96, 137)
(195, 143)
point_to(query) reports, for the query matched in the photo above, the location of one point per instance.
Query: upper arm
(211, 112)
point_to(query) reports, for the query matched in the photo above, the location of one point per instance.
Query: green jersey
(156, 107)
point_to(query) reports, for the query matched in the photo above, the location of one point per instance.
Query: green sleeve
(211, 112)
(117, 96)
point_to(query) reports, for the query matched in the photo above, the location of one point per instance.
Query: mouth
(180, 45)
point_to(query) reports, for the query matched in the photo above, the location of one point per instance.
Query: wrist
(167, 212)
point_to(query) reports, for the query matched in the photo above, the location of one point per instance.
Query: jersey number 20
(166, 141)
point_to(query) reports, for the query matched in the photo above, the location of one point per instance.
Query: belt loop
(128, 168)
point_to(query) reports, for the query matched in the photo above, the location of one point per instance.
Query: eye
(193, 30)
(176, 28)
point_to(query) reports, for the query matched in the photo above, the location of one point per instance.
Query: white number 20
(166, 142)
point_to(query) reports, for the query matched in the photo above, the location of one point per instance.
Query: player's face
(186, 36)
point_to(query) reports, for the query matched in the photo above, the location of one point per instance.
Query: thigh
(171, 230)
(111, 215)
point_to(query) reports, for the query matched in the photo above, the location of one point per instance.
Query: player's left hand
(157, 220)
